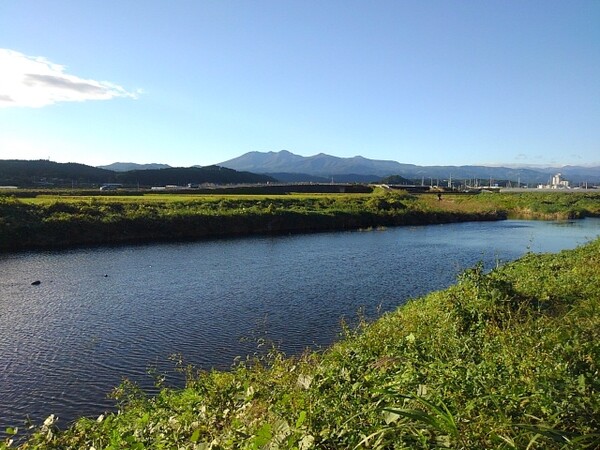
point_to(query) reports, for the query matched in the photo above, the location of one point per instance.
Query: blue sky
(198, 82)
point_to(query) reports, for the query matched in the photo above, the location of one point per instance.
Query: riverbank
(508, 359)
(536, 205)
(47, 221)
(57, 222)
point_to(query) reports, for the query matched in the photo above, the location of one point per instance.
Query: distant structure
(110, 186)
(557, 183)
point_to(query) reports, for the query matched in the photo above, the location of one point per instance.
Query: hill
(24, 173)
(261, 167)
(326, 166)
(38, 173)
(190, 175)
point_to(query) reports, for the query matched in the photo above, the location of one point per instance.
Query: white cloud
(27, 81)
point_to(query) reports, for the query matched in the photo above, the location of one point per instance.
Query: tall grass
(65, 221)
(529, 204)
(508, 359)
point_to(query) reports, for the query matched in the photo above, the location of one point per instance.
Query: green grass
(508, 360)
(531, 204)
(50, 221)
(61, 220)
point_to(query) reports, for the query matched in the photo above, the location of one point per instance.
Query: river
(101, 314)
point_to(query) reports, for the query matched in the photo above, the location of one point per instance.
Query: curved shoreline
(76, 233)
(63, 222)
(508, 353)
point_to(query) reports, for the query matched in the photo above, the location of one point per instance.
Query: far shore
(45, 221)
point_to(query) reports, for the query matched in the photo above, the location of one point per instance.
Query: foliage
(531, 204)
(64, 220)
(51, 221)
(507, 359)
(396, 179)
(43, 172)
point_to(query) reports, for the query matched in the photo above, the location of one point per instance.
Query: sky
(198, 82)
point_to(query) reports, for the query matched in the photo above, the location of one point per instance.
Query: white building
(559, 183)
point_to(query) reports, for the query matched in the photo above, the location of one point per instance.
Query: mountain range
(284, 165)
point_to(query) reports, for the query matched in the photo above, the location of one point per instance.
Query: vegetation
(37, 221)
(396, 179)
(42, 172)
(51, 221)
(534, 205)
(508, 359)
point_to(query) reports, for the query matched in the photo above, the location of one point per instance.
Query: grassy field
(38, 221)
(530, 204)
(526, 204)
(59, 221)
(505, 360)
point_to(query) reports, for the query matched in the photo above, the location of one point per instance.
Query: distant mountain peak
(327, 166)
(319, 165)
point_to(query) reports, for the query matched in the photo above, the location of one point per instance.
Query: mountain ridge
(326, 166)
(286, 167)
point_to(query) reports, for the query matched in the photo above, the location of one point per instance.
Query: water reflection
(106, 313)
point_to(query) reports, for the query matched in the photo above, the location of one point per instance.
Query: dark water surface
(102, 314)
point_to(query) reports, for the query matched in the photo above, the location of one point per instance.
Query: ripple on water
(65, 344)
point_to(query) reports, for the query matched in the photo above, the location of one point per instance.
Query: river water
(102, 314)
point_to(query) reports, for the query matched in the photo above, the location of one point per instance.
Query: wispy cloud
(28, 81)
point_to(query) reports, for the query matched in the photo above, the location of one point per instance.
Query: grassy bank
(509, 359)
(530, 204)
(50, 221)
(59, 221)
